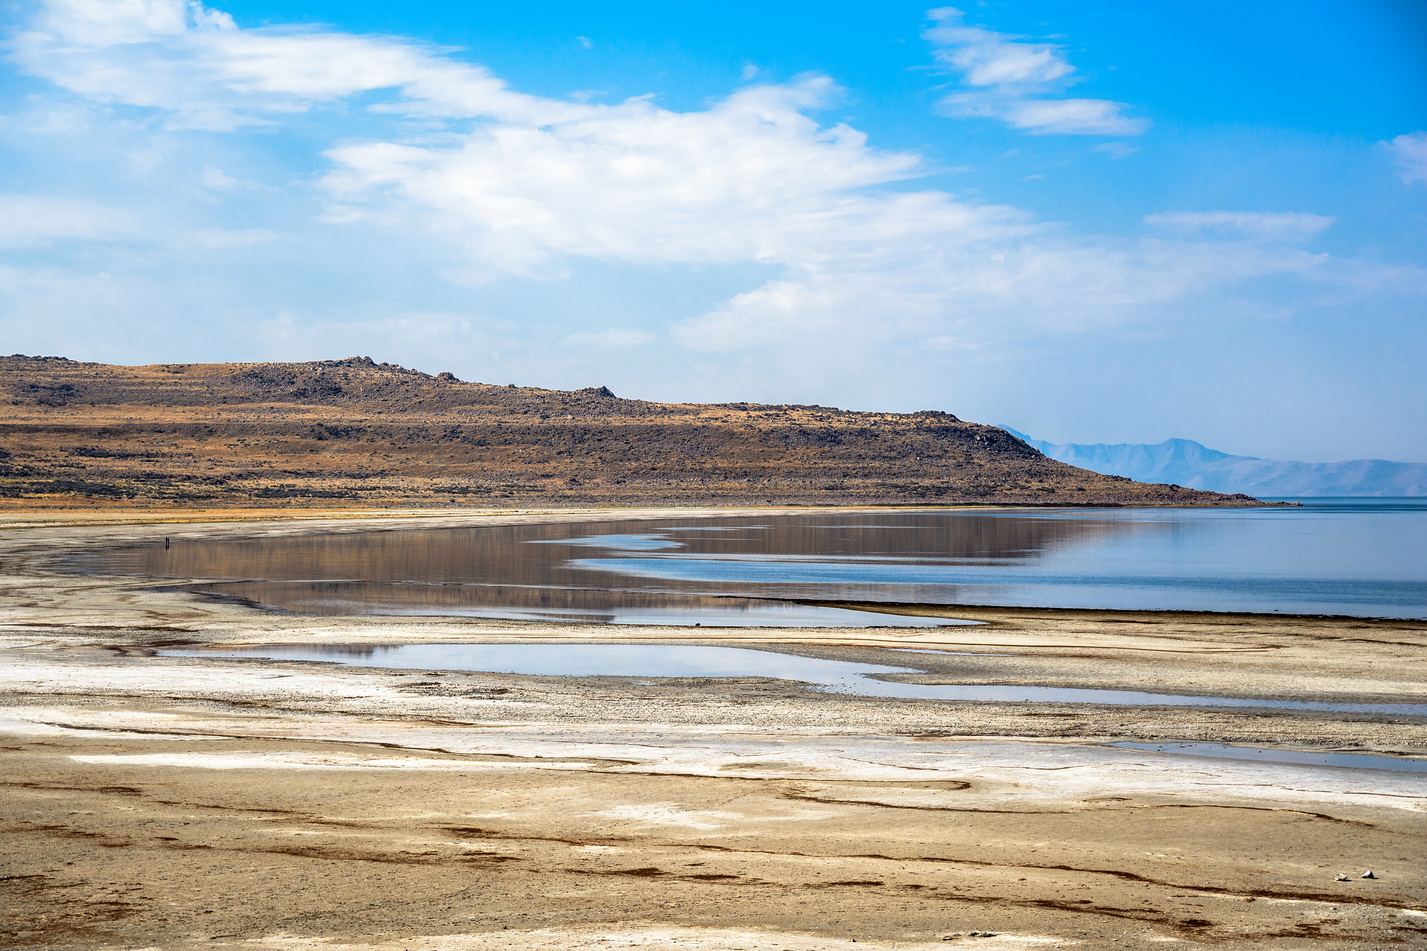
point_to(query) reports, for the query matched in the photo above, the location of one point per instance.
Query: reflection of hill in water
(336, 650)
(527, 568)
(587, 605)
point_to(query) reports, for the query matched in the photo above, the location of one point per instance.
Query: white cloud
(1261, 224)
(1072, 117)
(534, 184)
(987, 292)
(215, 179)
(750, 179)
(116, 22)
(195, 64)
(28, 221)
(1409, 152)
(1012, 79)
(993, 59)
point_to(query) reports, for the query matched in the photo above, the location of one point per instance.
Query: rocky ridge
(357, 432)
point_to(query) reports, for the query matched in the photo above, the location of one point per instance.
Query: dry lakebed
(157, 793)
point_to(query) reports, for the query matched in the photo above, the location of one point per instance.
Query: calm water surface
(1360, 557)
(685, 660)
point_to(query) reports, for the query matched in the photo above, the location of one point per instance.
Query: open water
(1357, 557)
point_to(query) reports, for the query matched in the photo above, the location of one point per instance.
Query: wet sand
(155, 801)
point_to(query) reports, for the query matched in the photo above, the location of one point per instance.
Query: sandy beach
(162, 801)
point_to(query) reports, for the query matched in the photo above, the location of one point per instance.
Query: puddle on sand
(1304, 757)
(684, 660)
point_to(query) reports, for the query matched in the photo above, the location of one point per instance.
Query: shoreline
(99, 514)
(353, 807)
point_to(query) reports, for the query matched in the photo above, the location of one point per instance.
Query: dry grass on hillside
(354, 432)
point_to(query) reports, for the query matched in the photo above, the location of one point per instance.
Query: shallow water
(683, 660)
(1359, 557)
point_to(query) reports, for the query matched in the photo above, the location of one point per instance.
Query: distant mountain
(1187, 463)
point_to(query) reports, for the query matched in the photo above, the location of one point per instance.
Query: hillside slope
(1185, 462)
(357, 432)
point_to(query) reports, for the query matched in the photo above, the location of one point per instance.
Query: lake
(1357, 557)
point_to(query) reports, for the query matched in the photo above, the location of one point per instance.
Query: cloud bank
(441, 152)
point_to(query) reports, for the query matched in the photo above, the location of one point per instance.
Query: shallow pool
(684, 660)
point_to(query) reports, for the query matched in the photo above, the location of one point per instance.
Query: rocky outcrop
(367, 433)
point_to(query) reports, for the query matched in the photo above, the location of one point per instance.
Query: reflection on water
(574, 605)
(572, 660)
(683, 660)
(1340, 558)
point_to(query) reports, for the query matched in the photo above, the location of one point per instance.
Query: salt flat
(157, 801)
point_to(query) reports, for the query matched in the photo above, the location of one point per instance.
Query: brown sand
(154, 801)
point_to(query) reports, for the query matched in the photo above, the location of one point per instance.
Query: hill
(1186, 462)
(355, 432)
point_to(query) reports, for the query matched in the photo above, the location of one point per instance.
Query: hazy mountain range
(1187, 463)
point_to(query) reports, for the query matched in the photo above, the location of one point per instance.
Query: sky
(1093, 222)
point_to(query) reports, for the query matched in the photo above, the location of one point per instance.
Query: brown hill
(354, 432)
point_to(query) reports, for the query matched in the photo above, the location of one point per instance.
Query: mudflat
(150, 800)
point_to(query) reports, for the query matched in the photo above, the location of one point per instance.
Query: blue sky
(1092, 222)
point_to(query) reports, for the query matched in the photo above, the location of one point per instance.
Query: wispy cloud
(613, 338)
(498, 183)
(197, 66)
(29, 221)
(217, 180)
(1018, 81)
(219, 238)
(1291, 226)
(987, 58)
(1409, 152)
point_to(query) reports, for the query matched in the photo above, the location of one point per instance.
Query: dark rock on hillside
(364, 433)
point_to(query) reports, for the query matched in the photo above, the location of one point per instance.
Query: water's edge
(682, 660)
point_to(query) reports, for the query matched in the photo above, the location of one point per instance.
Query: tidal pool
(684, 660)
